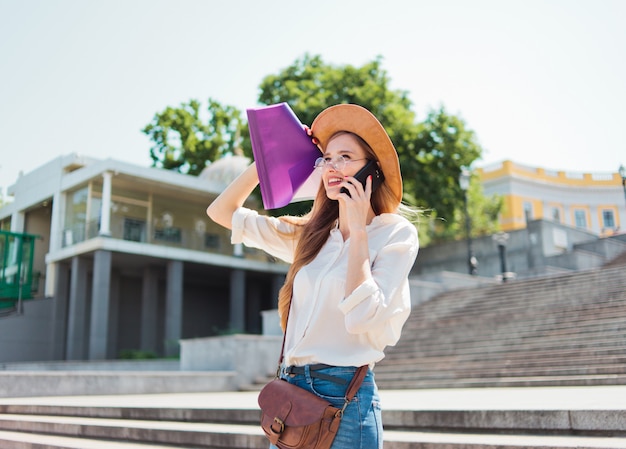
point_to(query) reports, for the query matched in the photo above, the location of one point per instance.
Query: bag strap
(356, 382)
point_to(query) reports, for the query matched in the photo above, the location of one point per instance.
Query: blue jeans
(361, 426)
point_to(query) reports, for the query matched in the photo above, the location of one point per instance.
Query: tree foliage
(431, 168)
(309, 85)
(185, 141)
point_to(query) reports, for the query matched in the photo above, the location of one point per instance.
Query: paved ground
(527, 398)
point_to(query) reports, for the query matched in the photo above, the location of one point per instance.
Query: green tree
(442, 147)
(185, 141)
(309, 85)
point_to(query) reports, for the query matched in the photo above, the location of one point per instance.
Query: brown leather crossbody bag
(294, 418)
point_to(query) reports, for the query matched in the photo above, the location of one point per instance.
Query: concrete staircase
(230, 420)
(563, 330)
(563, 339)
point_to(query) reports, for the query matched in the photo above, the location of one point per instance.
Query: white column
(105, 213)
(57, 222)
(17, 222)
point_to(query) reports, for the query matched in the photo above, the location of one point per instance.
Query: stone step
(455, 372)
(436, 429)
(591, 417)
(545, 320)
(511, 341)
(530, 295)
(434, 381)
(404, 416)
(544, 358)
(597, 348)
(61, 383)
(393, 440)
(513, 360)
(21, 440)
(404, 430)
(447, 310)
(549, 319)
(227, 415)
(487, 371)
(489, 355)
(202, 435)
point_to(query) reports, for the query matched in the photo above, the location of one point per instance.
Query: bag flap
(291, 404)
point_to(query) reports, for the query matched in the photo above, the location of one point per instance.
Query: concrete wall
(532, 250)
(608, 247)
(251, 356)
(26, 337)
(105, 365)
(81, 383)
(206, 364)
(271, 323)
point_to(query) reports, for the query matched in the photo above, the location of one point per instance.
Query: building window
(556, 214)
(608, 219)
(528, 211)
(134, 230)
(580, 218)
(211, 241)
(171, 235)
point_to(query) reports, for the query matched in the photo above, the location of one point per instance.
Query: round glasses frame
(339, 163)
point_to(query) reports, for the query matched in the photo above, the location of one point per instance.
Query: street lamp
(501, 238)
(464, 183)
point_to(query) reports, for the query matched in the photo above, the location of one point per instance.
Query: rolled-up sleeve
(380, 306)
(269, 234)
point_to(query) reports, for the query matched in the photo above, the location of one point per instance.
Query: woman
(346, 293)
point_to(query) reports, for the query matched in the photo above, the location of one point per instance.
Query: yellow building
(591, 201)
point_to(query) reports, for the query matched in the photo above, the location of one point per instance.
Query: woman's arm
(379, 307)
(221, 210)
(354, 210)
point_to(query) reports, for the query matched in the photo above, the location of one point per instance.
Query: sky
(541, 82)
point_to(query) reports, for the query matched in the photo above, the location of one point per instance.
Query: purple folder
(284, 155)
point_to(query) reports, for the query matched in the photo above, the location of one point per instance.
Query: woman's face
(345, 157)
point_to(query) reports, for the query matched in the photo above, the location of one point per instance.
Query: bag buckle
(339, 413)
(280, 423)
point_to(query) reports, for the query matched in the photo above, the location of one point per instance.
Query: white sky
(541, 82)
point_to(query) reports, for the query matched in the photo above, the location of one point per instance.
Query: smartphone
(371, 168)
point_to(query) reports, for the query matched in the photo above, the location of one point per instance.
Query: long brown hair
(312, 230)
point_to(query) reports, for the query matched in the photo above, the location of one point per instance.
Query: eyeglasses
(338, 163)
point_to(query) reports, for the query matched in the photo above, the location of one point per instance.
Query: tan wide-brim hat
(358, 120)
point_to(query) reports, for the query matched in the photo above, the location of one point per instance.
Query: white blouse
(324, 326)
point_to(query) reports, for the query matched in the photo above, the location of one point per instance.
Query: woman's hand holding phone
(370, 169)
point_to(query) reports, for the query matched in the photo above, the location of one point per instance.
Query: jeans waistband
(314, 372)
